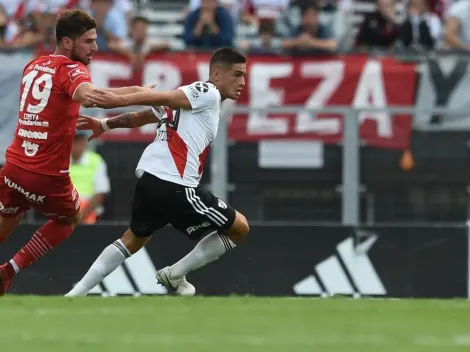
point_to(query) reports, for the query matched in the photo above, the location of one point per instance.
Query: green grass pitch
(232, 324)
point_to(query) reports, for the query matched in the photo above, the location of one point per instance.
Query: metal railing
(351, 143)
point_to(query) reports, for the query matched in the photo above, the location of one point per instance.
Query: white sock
(111, 258)
(207, 250)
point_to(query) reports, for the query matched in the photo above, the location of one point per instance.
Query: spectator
(264, 10)
(457, 27)
(266, 43)
(89, 175)
(209, 27)
(311, 36)
(123, 7)
(139, 45)
(3, 24)
(111, 28)
(139, 42)
(291, 18)
(440, 7)
(379, 29)
(235, 7)
(111, 24)
(421, 27)
(24, 33)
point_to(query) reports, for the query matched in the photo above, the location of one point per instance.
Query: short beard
(75, 57)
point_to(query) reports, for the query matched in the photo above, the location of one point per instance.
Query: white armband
(104, 124)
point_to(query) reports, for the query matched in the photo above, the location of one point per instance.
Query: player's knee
(239, 229)
(243, 226)
(132, 242)
(71, 220)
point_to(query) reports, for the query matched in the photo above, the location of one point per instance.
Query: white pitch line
(186, 339)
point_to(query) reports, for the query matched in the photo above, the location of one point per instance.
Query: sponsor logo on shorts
(192, 229)
(221, 204)
(10, 210)
(31, 134)
(30, 149)
(31, 197)
(49, 214)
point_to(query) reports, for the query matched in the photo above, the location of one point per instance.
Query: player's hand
(103, 99)
(150, 87)
(89, 123)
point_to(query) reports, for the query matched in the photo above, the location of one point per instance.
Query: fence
(351, 184)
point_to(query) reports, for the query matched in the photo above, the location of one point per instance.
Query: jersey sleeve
(72, 76)
(201, 95)
(158, 111)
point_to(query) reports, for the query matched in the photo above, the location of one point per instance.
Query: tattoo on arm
(122, 121)
(132, 119)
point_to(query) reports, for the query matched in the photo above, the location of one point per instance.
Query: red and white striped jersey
(183, 137)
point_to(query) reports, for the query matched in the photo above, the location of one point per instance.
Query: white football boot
(180, 287)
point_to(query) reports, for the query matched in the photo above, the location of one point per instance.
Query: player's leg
(145, 220)
(63, 209)
(108, 261)
(12, 204)
(46, 238)
(8, 225)
(231, 228)
(12, 207)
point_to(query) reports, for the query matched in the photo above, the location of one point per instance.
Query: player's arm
(87, 88)
(126, 120)
(80, 94)
(132, 119)
(128, 90)
(176, 99)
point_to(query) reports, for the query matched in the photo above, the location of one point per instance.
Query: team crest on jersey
(221, 204)
(202, 87)
(30, 149)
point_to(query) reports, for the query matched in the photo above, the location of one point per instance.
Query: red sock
(46, 238)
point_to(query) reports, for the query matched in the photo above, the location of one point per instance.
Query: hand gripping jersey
(183, 137)
(47, 115)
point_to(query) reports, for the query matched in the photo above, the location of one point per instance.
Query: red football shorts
(53, 196)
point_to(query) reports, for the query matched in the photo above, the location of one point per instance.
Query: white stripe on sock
(16, 267)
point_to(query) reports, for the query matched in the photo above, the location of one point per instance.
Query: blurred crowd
(282, 26)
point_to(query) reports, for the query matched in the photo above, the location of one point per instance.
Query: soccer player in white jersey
(169, 172)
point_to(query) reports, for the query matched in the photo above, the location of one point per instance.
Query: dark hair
(227, 56)
(72, 24)
(308, 7)
(138, 19)
(266, 27)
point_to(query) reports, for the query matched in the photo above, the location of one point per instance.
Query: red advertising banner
(356, 81)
